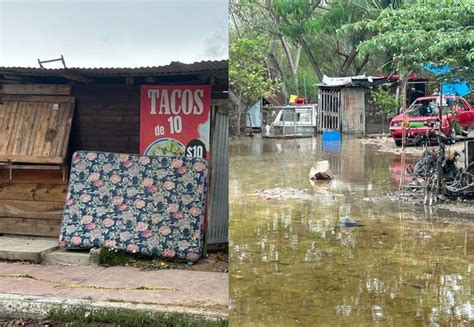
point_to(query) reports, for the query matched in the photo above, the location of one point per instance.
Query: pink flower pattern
(157, 211)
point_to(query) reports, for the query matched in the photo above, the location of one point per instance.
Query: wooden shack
(91, 109)
(343, 103)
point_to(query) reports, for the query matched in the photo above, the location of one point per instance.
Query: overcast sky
(112, 33)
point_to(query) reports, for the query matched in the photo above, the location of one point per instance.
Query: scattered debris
(321, 170)
(284, 193)
(436, 176)
(346, 221)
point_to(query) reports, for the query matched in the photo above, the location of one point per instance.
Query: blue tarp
(255, 115)
(461, 88)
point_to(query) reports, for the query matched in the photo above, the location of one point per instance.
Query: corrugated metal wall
(218, 222)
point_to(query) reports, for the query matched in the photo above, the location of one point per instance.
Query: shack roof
(353, 81)
(202, 70)
(365, 81)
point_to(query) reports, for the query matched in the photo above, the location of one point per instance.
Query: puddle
(293, 265)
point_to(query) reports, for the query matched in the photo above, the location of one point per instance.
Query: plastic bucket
(331, 136)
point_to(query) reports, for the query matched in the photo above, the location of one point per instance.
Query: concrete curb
(39, 307)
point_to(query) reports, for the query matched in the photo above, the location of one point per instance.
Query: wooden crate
(35, 129)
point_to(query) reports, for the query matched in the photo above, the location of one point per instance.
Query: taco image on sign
(165, 147)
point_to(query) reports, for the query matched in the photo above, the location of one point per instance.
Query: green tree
(248, 75)
(257, 18)
(436, 32)
(313, 25)
(384, 100)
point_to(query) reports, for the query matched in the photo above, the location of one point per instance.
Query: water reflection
(292, 264)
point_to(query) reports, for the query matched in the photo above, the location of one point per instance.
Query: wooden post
(439, 167)
(404, 80)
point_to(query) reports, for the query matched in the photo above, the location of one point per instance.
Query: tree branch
(311, 58)
(362, 65)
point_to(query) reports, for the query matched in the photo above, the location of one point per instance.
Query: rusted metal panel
(353, 110)
(218, 217)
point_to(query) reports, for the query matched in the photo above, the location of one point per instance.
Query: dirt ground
(213, 262)
(217, 262)
(386, 144)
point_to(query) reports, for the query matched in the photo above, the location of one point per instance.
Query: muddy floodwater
(293, 265)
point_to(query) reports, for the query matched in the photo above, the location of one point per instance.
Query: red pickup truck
(422, 118)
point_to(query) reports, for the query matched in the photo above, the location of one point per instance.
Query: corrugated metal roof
(276, 99)
(174, 68)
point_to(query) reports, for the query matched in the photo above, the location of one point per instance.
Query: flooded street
(293, 265)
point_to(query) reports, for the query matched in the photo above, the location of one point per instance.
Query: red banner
(175, 120)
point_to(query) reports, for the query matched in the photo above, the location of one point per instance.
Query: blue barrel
(331, 136)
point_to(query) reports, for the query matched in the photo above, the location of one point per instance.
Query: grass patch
(109, 257)
(78, 316)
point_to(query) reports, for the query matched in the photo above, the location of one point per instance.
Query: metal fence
(329, 110)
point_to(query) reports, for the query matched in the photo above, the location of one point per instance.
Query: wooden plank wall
(32, 202)
(35, 89)
(35, 129)
(107, 118)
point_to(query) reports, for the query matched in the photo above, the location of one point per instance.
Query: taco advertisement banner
(175, 120)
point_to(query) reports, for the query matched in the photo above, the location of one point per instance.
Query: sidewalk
(32, 290)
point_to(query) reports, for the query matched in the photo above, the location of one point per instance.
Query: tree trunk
(297, 57)
(239, 116)
(277, 67)
(237, 100)
(362, 65)
(348, 62)
(284, 44)
(311, 58)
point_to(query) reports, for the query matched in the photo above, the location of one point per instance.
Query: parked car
(422, 118)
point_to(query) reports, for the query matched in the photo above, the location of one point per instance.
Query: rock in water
(346, 221)
(321, 171)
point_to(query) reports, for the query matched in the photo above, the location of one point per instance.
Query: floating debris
(346, 221)
(321, 170)
(284, 193)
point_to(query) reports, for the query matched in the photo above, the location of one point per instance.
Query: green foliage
(375, 6)
(316, 24)
(298, 15)
(80, 315)
(284, 27)
(384, 100)
(248, 75)
(114, 257)
(437, 32)
(109, 257)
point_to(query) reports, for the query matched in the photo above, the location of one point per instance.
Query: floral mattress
(140, 204)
